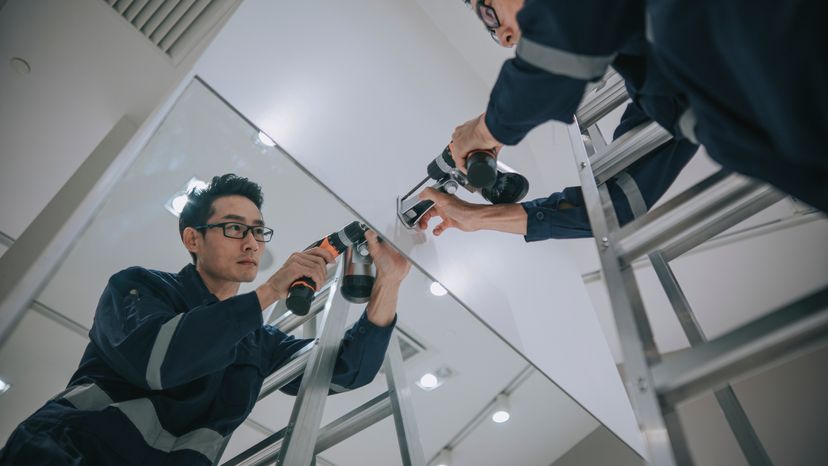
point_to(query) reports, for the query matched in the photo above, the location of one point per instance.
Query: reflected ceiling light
(501, 409)
(176, 203)
(179, 202)
(431, 380)
(265, 139)
(437, 289)
(428, 381)
(4, 386)
(444, 458)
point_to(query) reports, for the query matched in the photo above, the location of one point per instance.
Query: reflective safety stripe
(141, 413)
(586, 67)
(159, 352)
(687, 125)
(633, 194)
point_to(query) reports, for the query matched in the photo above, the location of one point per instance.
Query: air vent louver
(174, 26)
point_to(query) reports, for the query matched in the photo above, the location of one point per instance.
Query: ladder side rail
(303, 427)
(734, 413)
(408, 436)
(637, 344)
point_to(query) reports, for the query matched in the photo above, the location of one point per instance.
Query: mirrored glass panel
(456, 367)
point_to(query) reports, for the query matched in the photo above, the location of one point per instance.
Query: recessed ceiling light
(437, 289)
(179, 202)
(431, 380)
(20, 65)
(501, 410)
(265, 139)
(175, 204)
(4, 386)
(428, 381)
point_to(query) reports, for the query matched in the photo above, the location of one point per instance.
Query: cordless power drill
(301, 291)
(494, 181)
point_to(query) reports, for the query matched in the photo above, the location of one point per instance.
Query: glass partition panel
(455, 365)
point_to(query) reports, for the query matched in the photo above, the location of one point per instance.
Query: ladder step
(285, 374)
(782, 335)
(628, 148)
(288, 321)
(699, 213)
(603, 100)
(356, 420)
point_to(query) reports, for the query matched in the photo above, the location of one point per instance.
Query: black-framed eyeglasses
(488, 15)
(238, 230)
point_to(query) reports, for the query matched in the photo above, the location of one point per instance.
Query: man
(563, 214)
(750, 87)
(176, 361)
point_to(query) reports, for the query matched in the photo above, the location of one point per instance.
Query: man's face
(230, 259)
(508, 33)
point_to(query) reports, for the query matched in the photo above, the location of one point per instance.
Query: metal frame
(705, 210)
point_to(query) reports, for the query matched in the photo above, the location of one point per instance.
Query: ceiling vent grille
(174, 26)
(409, 346)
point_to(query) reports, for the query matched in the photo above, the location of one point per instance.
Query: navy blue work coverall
(753, 76)
(170, 371)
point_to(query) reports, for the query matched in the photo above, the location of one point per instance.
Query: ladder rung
(628, 148)
(756, 202)
(708, 206)
(288, 321)
(266, 451)
(288, 372)
(793, 330)
(602, 101)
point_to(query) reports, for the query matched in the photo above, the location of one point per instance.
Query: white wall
(89, 68)
(364, 104)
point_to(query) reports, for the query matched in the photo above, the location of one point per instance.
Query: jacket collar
(195, 291)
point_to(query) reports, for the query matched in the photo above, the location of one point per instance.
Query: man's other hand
(391, 266)
(454, 212)
(471, 135)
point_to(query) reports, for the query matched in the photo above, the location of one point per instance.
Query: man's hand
(311, 263)
(391, 266)
(454, 212)
(465, 216)
(471, 135)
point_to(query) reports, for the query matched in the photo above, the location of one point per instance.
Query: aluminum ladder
(299, 442)
(656, 384)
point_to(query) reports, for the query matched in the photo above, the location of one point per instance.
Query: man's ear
(191, 239)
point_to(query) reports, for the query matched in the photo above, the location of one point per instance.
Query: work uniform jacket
(750, 86)
(170, 372)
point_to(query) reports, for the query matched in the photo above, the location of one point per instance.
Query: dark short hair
(199, 205)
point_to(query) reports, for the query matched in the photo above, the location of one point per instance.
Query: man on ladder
(176, 361)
